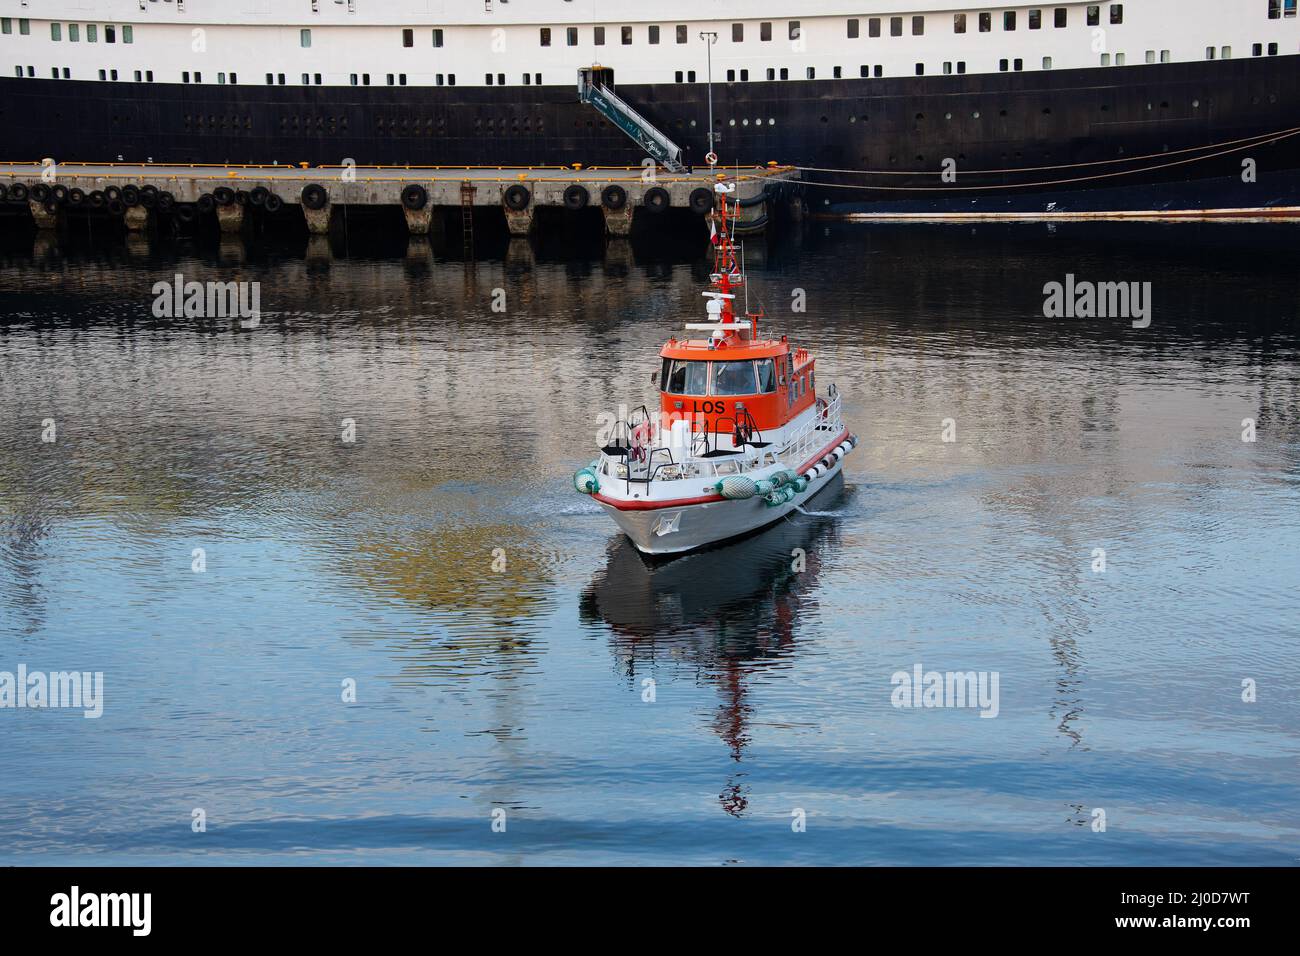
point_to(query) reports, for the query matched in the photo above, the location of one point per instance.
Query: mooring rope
(954, 187)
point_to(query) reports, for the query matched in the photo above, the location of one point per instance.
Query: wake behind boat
(741, 437)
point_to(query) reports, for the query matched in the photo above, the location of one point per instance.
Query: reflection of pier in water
(727, 613)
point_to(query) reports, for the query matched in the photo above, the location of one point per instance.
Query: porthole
(947, 116)
(975, 115)
(1196, 104)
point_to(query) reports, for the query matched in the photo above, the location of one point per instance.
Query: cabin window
(74, 33)
(794, 30)
(1035, 19)
(1009, 20)
(571, 36)
(652, 34)
(408, 37)
(56, 31)
(626, 34)
(765, 30)
(1117, 13)
(766, 375)
(733, 378)
(986, 22)
(6, 25)
(128, 34)
(873, 27)
(1274, 9)
(959, 23)
(1062, 17)
(681, 32)
(545, 35)
(92, 34)
(737, 33)
(437, 36)
(853, 29)
(684, 377)
(598, 36)
(1094, 15)
(895, 26)
(110, 33)
(304, 38)
(918, 26)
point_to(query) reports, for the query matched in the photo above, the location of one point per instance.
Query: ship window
(148, 76)
(74, 33)
(853, 28)
(1164, 56)
(878, 70)
(679, 76)
(1288, 9)
(959, 23)
(92, 33)
(1018, 64)
(408, 37)
(1062, 17)
(128, 34)
(113, 75)
(794, 29)
(766, 375)
(744, 75)
(733, 378)
(690, 78)
(873, 27)
(598, 36)
(1209, 53)
(1009, 20)
(737, 33)
(681, 32)
(838, 72)
(785, 73)
(6, 25)
(353, 79)
(24, 27)
(986, 22)
(110, 33)
(1272, 49)
(138, 77)
(961, 65)
(103, 75)
(56, 31)
(1094, 15)
(1151, 56)
(652, 32)
(304, 38)
(812, 72)
(918, 26)
(1257, 49)
(317, 77)
(625, 33)
(920, 69)
(185, 76)
(1105, 59)
(1035, 19)
(1047, 63)
(1117, 13)
(731, 76)
(1274, 9)
(1119, 59)
(863, 70)
(546, 36)
(437, 36)
(687, 378)
(947, 67)
(1002, 65)
(571, 36)
(895, 26)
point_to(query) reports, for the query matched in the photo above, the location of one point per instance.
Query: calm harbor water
(524, 688)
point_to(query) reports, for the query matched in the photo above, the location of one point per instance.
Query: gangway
(594, 90)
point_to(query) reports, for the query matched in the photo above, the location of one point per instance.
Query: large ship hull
(1125, 139)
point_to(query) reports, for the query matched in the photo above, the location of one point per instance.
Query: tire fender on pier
(576, 197)
(517, 197)
(131, 195)
(656, 199)
(272, 203)
(415, 197)
(315, 196)
(223, 195)
(701, 201)
(613, 197)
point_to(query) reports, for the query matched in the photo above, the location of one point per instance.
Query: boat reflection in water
(727, 613)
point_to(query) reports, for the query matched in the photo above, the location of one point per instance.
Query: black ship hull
(1137, 138)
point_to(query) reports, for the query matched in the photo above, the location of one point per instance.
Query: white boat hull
(673, 530)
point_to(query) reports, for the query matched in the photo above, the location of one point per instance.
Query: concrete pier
(140, 193)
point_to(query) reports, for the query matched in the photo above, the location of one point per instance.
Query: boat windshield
(766, 375)
(733, 378)
(684, 377)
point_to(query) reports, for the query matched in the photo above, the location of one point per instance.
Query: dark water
(522, 689)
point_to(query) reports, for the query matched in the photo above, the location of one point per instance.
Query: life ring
(517, 198)
(701, 200)
(415, 197)
(223, 195)
(314, 196)
(656, 199)
(273, 203)
(639, 439)
(614, 197)
(576, 197)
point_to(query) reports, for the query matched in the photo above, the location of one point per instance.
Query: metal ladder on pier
(467, 192)
(593, 91)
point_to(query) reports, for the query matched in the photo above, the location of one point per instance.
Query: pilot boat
(741, 436)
